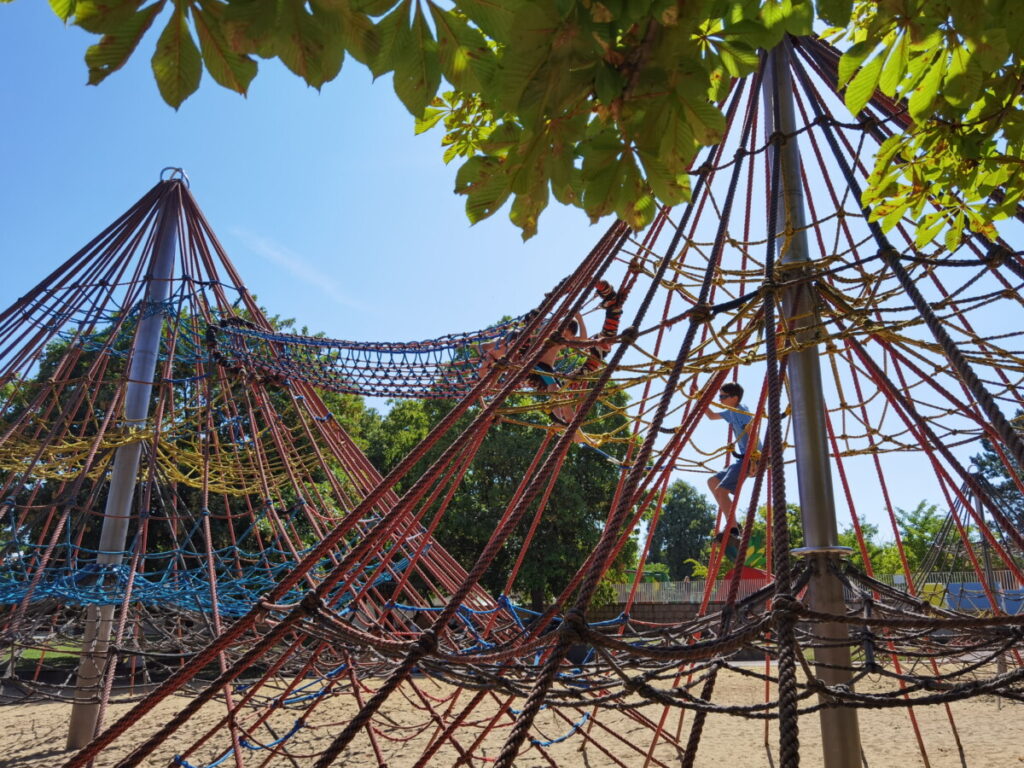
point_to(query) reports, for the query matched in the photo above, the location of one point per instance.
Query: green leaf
(705, 119)
(100, 17)
(921, 100)
(670, 188)
(373, 7)
(114, 48)
(993, 49)
(742, 58)
(1013, 18)
(678, 145)
(565, 178)
(608, 83)
(431, 117)
(800, 20)
(503, 138)
(892, 216)
(852, 59)
(485, 184)
(300, 40)
(929, 228)
(229, 68)
(417, 69)
(774, 12)
(835, 12)
(176, 62)
(634, 204)
(493, 17)
(466, 60)
(968, 16)
(331, 42)
(64, 9)
(393, 34)
(963, 79)
(955, 233)
(526, 209)
(895, 68)
(862, 87)
(356, 32)
(751, 33)
(251, 27)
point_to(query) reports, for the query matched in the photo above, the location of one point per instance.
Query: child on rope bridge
(738, 416)
(543, 377)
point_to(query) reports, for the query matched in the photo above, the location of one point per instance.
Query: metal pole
(840, 734)
(994, 589)
(99, 620)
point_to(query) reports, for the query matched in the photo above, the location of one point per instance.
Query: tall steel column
(99, 620)
(840, 734)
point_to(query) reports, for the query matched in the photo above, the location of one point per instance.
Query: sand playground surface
(990, 732)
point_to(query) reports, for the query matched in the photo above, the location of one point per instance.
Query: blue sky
(329, 205)
(332, 209)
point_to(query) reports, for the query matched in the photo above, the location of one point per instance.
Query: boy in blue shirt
(724, 483)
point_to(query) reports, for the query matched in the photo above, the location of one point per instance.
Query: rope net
(303, 601)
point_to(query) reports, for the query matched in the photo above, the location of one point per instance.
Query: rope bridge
(443, 368)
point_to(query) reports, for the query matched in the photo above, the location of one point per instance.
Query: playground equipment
(857, 347)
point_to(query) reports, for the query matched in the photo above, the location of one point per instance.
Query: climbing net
(371, 643)
(238, 479)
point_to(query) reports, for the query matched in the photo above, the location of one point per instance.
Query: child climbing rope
(599, 345)
(738, 416)
(543, 377)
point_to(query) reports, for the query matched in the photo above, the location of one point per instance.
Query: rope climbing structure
(113, 575)
(868, 360)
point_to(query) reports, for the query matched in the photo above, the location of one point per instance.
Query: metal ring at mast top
(175, 173)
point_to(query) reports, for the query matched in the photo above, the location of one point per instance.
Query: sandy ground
(991, 734)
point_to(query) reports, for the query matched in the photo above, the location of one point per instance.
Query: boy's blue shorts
(730, 476)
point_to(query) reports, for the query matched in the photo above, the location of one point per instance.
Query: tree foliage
(1004, 490)
(919, 530)
(956, 64)
(603, 104)
(684, 530)
(568, 529)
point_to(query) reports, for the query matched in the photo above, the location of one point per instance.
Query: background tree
(604, 105)
(684, 530)
(876, 550)
(572, 521)
(81, 419)
(1004, 490)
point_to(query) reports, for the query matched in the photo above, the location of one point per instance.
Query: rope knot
(996, 256)
(700, 313)
(633, 684)
(786, 606)
(889, 254)
(310, 604)
(630, 335)
(574, 625)
(425, 644)
(869, 123)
